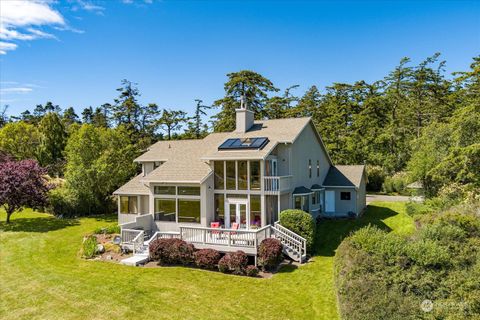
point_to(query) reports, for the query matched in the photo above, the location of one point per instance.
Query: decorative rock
(117, 240)
(100, 248)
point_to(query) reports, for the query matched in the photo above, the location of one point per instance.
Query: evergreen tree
(172, 120)
(70, 117)
(87, 115)
(248, 84)
(99, 119)
(126, 110)
(3, 116)
(196, 127)
(52, 142)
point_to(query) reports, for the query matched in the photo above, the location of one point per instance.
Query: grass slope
(43, 277)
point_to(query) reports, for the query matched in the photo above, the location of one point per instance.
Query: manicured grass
(43, 277)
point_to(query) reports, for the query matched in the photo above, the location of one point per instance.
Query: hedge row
(179, 252)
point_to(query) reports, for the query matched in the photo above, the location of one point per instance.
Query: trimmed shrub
(171, 251)
(89, 247)
(107, 230)
(428, 253)
(223, 264)
(300, 222)
(238, 262)
(270, 253)
(235, 262)
(251, 271)
(207, 258)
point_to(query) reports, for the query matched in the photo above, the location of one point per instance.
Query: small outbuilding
(345, 191)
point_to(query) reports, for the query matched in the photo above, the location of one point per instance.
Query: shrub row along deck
(137, 235)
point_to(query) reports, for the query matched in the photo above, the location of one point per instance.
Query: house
(245, 177)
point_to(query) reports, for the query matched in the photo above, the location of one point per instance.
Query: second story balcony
(250, 175)
(275, 184)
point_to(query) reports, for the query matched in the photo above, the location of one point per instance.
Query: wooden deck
(223, 240)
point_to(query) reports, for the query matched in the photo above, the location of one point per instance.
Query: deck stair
(294, 245)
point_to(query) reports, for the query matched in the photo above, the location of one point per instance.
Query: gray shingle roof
(186, 160)
(301, 190)
(344, 176)
(134, 186)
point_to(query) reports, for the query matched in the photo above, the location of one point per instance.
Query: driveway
(380, 197)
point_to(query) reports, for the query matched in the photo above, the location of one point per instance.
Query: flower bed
(100, 246)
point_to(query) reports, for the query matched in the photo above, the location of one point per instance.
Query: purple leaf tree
(22, 184)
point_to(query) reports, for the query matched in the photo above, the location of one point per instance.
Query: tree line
(416, 119)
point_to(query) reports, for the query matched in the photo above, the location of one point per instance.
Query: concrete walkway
(380, 197)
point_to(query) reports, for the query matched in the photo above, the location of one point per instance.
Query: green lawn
(43, 277)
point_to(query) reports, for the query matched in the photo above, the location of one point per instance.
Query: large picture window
(255, 175)
(242, 175)
(188, 191)
(165, 210)
(128, 205)
(167, 190)
(189, 210)
(231, 175)
(219, 203)
(255, 211)
(219, 175)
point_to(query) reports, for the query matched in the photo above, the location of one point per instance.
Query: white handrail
(138, 242)
(303, 249)
(288, 231)
(162, 234)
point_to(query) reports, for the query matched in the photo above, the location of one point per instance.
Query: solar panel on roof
(243, 144)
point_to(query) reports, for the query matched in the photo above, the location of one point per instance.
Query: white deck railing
(225, 237)
(163, 235)
(276, 184)
(133, 237)
(302, 250)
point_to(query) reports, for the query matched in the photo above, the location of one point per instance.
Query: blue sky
(75, 53)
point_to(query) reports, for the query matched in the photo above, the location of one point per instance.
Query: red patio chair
(235, 226)
(215, 225)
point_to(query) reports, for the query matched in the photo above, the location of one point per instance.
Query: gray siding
(342, 207)
(124, 218)
(207, 201)
(308, 147)
(362, 195)
(282, 152)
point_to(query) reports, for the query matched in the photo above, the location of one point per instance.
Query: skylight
(243, 143)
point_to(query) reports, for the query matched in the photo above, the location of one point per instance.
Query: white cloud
(137, 2)
(15, 90)
(6, 46)
(88, 6)
(25, 15)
